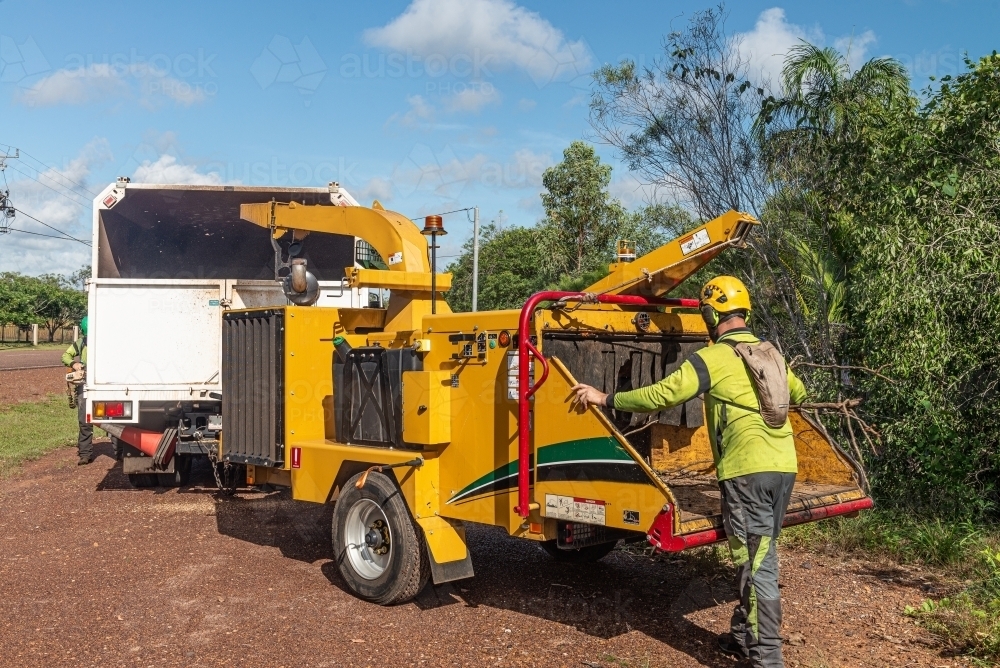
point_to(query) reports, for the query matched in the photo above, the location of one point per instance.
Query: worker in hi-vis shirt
(75, 357)
(755, 462)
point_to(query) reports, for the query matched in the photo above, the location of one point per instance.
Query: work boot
(83, 461)
(730, 645)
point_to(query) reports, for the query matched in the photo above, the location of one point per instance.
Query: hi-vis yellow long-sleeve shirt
(741, 442)
(76, 349)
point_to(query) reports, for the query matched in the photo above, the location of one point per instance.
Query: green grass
(27, 346)
(902, 538)
(29, 430)
(965, 555)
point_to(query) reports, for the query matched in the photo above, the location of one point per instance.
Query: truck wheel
(378, 548)
(583, 555)
(180, 476)
(116, 446)
(139, 480)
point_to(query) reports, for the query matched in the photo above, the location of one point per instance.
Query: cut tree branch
(874, 372)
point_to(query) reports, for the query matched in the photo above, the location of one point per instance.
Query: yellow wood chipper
(415, 420)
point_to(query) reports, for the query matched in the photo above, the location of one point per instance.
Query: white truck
(167, 261)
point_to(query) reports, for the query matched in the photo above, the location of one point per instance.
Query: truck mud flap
(134, 461)
(165, 449)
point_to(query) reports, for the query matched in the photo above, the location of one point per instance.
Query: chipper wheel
(583, 555)
(378, 547)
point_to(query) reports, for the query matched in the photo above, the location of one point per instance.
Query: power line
(445, 213)
(84, 204)
(47, 166)
(60, 174)
(39, 234)
(86, 243)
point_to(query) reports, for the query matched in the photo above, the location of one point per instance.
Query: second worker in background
(75, 358)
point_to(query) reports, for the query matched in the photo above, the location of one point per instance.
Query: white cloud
(855, 47)
(74, 87)
(62, 198)
(525, 104)
(419, 114)
(525, 168)
(376, 188)
(473, 98)
(772, 36)
(166, 169)
(102, 82)
(443, 174)
(769, 41)
(471, 37)
(631, 192)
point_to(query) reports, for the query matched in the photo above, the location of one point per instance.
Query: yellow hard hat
(723, 294)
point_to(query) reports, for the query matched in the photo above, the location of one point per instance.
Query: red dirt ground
(93, 572)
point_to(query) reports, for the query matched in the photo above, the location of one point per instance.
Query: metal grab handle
(545, 370)
(525, 349)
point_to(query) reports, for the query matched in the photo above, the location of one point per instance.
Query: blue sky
(427, 105)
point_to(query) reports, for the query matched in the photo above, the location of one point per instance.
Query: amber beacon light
(433, 227)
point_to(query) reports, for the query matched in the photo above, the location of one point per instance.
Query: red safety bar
(526, 348)
(661, 532)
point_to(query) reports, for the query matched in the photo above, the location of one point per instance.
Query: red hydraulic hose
(525, 349)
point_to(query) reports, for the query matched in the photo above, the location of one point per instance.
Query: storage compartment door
(155, 334)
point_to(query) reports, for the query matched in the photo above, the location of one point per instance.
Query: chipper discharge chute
(415, 422)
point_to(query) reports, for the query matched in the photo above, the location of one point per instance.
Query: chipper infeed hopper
(415, 423)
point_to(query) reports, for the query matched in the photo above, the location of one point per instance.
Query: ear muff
(710, 315)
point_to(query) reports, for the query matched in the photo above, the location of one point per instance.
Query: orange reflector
(534, 527)
(99, 409)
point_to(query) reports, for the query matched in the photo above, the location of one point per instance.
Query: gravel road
(93, 572)
(31, 384)
(30, 359)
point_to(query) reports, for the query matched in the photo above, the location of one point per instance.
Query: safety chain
(227, 483)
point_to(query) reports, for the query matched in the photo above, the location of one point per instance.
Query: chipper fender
(445, 538)
(447, 550)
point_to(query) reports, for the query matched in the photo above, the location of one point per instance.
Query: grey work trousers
(753, 509)
(85, 439)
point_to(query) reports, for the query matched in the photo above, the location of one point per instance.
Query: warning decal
(694, 242)
(575, 509)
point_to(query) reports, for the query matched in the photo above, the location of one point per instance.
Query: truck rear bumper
(661, 532)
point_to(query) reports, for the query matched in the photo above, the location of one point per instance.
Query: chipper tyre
(378, 547)
(584, 555)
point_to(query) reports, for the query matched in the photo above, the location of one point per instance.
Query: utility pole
(475, 259)
(6, 208)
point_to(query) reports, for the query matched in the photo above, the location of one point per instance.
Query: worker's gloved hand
(77, 366)
(587, 395)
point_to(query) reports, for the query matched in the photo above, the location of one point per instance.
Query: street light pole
(475, 259)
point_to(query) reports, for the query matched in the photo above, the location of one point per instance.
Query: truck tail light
(296, 458)
(113, 410)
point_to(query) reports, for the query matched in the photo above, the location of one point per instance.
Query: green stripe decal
(605, 449)
(602, 448)
(506, 471)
